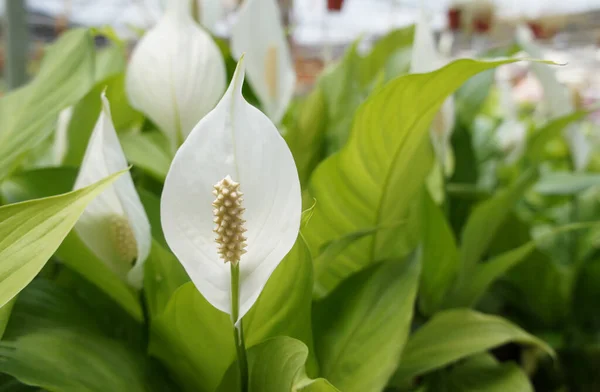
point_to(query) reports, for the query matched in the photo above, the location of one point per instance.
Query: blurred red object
(335, 5)
(482, 23)
(454, 18)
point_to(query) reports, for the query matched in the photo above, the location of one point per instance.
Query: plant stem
(238, 331)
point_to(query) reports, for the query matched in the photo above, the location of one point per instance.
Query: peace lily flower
(176, 74)
(232, 199)
(558, 100)
(425, 58)
(259, 33)
(511, 134)
(114, 225)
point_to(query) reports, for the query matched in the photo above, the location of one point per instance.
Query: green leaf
(77, 256)
(151, 204)
(305, 133)
(27, 115)
(453, 335)
(86, 113)
(163, 275)
(361, 328)
(482, 373)
(276, 365)
(566, 183)
(284, 306)
(374, 179)
(536, 145)
(5, 313)
(440, 257)
(488, 217)
(193, 339)
(38, 183)
(147, 151)
(32, 231)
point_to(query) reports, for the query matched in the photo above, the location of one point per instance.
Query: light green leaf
(147, 151)
(440, 257)
(284, 306)
(276, 365)
(163, 275)
(361, 328)
(32, 231)
(374, 179)
(193, 339)
(482, 373)
(487, 218)
(455, 334)
(27, 115)
(566, 183)
(307, 214)
(77, 256)
(305, 133)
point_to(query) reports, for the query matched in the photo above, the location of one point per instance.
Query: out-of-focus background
(319, 30)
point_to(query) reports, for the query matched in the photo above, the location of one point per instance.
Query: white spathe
(236, 140)
(558, 100)
(426, 58)
(258, 34)
(176, 73)
(118, 210)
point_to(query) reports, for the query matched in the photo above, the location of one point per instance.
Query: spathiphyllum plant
(176, 73)
(258, 34)
(114, 225)
(231, 205)
(421, 262)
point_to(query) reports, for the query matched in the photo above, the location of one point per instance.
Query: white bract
(511, 134)
(425, 58)
(235, 168)
(259, 34)
(558, 100)
(176, 74)
(114, 225)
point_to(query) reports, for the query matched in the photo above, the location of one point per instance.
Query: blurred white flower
(258, 32)
(234, 171)
(114, 225)
(425, 58)
(558, 100)
(176, 74)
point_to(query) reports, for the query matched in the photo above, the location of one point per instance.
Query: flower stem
(238, 331)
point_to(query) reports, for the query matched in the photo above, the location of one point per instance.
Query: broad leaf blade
(26, 116)
(455, 334)
(361, 328)
(374, 179)
(32, 231)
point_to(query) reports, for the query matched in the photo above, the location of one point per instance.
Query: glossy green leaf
(374, 179)
(455, 334)
(362, 327)
(32, 231)
(27, 115)
(55, 342)
(276, 365)
(147, 151)
(482, 373)
(163, 275)
(284, 306)
(77, 256)
(193, 339)
(305, 134)
(440, 257)
(38, 183)
(487, 218)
